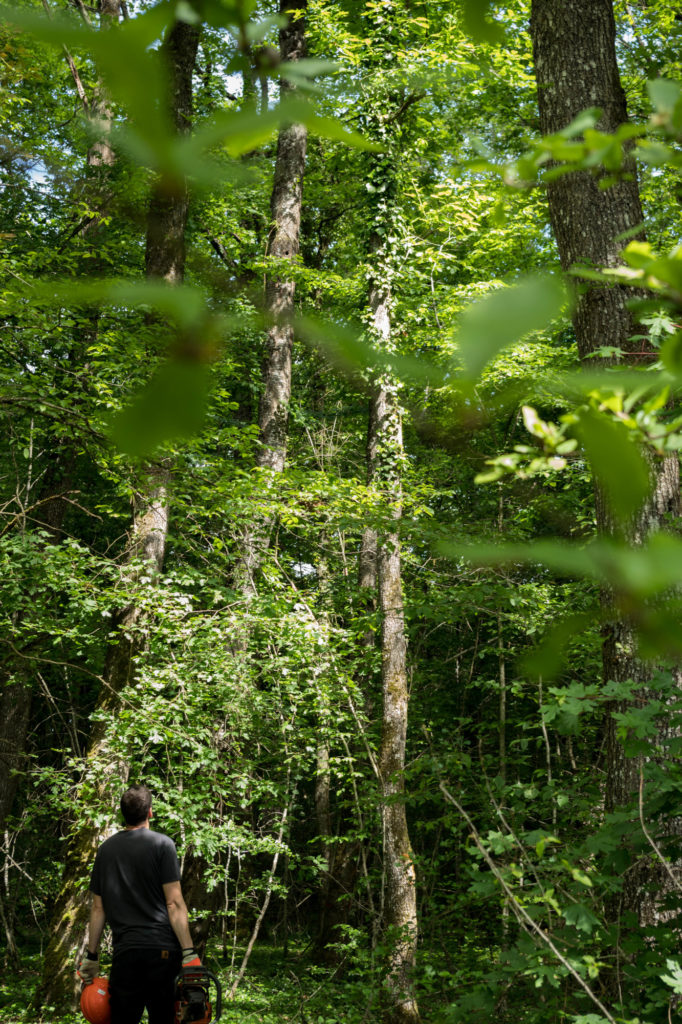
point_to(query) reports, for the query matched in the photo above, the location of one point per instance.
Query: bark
(165, 256)
(169, 204)
(280, 288)
(285, 210)
(575, 65)
(400, 916)
(101, 153)
(385, 452)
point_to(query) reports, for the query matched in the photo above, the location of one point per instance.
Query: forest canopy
(340, 356)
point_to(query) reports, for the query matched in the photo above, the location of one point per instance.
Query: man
(135, 887)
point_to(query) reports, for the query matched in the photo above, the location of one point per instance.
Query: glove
(88, 968)
(190, 958)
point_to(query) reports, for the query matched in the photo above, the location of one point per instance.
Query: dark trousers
(142, 978)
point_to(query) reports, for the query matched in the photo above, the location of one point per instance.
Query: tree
(576, 68)
(282, 249)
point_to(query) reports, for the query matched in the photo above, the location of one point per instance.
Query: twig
(64, 664)
(645, 830)
(80, 89)
(548, 749)
(263, 909)
(44, 501)
(405, 105)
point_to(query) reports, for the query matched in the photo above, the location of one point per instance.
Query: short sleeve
(168, 865)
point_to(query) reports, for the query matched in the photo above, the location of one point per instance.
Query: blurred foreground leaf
(637, 573)
(477, 21)
(617, 463)
(349, 349)
(504, 317)
(171, 407)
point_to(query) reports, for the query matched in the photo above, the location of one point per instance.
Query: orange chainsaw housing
(193, 995)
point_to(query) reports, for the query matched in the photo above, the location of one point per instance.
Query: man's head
(136, 804)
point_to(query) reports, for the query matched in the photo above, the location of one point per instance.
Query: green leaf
(543, 842)
(349, 348)
(580, 917)
(307, 68)
(329, 128)
(185, 12)
(565, 559)
(185, 304)
(547, 658)
(477, 21)
(586, 120)
(578, 874)
(674, 977)
(664, 94)
(616, 462)
(671, 354)
(504, 317)
(172, 406)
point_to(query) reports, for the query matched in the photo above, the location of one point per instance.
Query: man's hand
(190, 958)
(88, 969)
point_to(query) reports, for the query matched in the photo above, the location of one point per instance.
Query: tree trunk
(165, 257)
(285, 209)
(169, 204)
(575, 66)
(101, 153)
(400, 910)
(283, 246)
(385, 451)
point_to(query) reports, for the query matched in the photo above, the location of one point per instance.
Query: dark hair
(135, 804)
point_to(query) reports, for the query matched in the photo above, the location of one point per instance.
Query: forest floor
(277, 989)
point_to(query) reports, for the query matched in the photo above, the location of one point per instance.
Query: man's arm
(97, 921)
(177, 913)
(88, 968)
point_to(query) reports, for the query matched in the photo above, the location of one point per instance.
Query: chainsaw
(193, 996)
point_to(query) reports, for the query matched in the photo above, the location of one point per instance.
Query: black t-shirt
(129, 873)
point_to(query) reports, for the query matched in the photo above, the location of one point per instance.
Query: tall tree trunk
(283, 246)
(285, 210)
(165, 259)
(575, 66)
(101, 153)
(385, 449)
